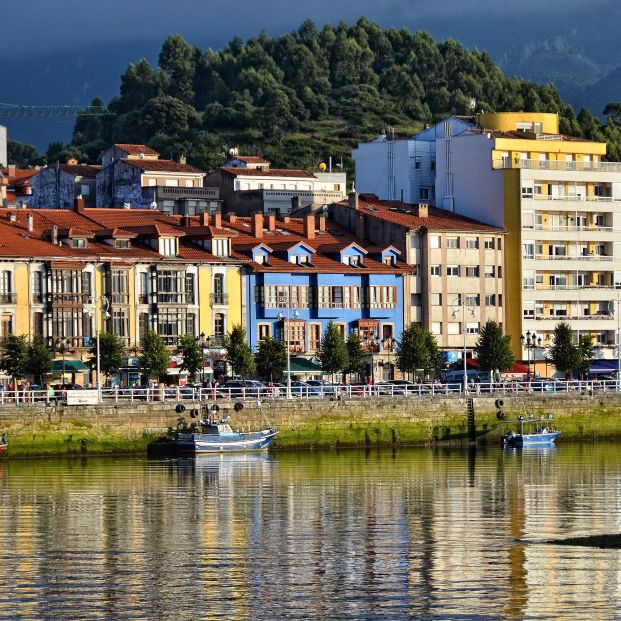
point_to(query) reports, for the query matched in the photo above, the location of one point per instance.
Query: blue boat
(216, 436)
(539, 431)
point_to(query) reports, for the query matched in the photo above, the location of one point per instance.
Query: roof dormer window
(78, 242)
(220, 247)
(354, 260)
(168, 246)
(122, 244)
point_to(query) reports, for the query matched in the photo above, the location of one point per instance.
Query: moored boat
(532, 431)
(3, 442)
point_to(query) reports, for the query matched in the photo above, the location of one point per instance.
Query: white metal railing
(568, 227)
(381, 391)
(558, 165)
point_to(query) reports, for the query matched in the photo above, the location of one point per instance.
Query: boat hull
(531, 439)
(200, 443)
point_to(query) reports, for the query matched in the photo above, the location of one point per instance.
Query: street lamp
(530, 342)
(459, 303)
(105, 305)
(287, 327)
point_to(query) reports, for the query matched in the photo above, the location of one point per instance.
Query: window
(472, 243)
(37, 287)
(152, 183)
(452, 242)
(168, 246)
(390, 260)
(414, 299)
(424, 193)
(528, 279)
(436, 299)
(528, 312)
(528, 250)
(170, 287)
(119, 286)
(121, 243)
(78, 243)
(453, 327)
(314, 337)
(436, 327)
(85, 189)
(37, 323)
(263, 331)
(417, 163)
(120, 323)
(434, 241)
(472, 271)
(436, 270)
(473, 299)
(189, 288)
(490, 299)
(172, 183)
(499, 271)
(143, 288)
(220, 247)
(489, 243)
(293, 334)
(143, 325)
(452, 270)
(218, 324)
(472, 327)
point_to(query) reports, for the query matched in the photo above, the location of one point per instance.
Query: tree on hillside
(22, 155)
(155, 357)
(110, 356)
(14, 357)
(333, 354)
(493, 348)
(413, 350)
(564, 353)
(271, 358)
(39, 359)
(238, 353)
(355, 354)
(191, 355)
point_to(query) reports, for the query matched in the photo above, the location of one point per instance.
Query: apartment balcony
(119, 298)
(568, 228)
(71, 299)
(219, 298)
(181, 193)
(555, 165)
(8, 298)
(78, 342)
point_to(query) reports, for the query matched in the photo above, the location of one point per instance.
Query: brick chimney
(421, 210)
(217, 220)
(360, 226)
(231, 217)
(322, 223)
(271, 223)
(286, 219)
(256, 225)
(78, 205)
(30, 222)
(203, 219)
(10, 170)
(309, 226)
(353, 199)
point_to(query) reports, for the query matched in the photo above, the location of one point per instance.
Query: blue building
(306, 272)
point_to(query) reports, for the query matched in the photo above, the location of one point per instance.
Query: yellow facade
(234, 286)
(22, 310)
(513, 121)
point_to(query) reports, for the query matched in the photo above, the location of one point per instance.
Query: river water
(411, 534)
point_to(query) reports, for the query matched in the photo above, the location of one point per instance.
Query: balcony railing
(506, 163)
(572, 317)
(566, 257)
(69, 298)
(219, 298)
(568, 228)
(8, 298)
(571, 287)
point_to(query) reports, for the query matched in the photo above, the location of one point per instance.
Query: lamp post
(372, 341)
(530, 342)
(459, 303)
(281, 317)
(105, 304)
(200, 339)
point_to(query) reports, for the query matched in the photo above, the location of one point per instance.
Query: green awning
(70, 366)
(304, 365)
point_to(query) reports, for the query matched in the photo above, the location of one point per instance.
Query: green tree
(238, 353)
(435, 357)
(355, 354)
(585, 354)
(271, 358)
(39, 359)
(333, 354)
(110, 354)
(155, 357)
(22, 155)
(413, 350)
(191, 353)
(493, 348)
(14, 356)
(564, 353)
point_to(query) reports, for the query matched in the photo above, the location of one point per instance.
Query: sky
(74, 24)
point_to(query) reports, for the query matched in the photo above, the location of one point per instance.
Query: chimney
(309, 227)
(182, 159)
(271, 223)
(360, 226)
(217, 220)
(10, 170)
(204, 219)
(78, 205)
(54, 234)
(231, 217)
(286, 219)
(30, 222)
(353, 199)
(256, 225)
(322, 223)
(12, 216)
(421, 210)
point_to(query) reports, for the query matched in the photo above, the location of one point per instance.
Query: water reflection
(423, 534)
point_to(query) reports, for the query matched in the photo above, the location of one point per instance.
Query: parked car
(304, 389)
(325, 388)
(246, 389)
(397, 387)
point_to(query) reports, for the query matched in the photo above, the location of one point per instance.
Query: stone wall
(40, 429)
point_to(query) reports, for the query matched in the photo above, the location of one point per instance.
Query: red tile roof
(250, 159)
(272, 172)
(136, 149)
(163, 166)
(438, 219)
(81, 170)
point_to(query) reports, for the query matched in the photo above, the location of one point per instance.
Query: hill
(301, 97)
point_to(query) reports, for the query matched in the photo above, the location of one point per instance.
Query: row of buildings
(497, 216)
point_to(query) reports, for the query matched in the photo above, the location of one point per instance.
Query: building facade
(58, 186)
(561, 206)
(456, 281)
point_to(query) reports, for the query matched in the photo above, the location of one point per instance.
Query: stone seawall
(108, 428)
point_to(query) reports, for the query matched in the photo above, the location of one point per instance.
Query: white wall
(3, 147)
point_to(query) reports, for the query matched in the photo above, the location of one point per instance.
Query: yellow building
(67, 274)
(561, 207)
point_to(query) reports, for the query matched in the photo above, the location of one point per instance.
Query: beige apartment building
(458, 280)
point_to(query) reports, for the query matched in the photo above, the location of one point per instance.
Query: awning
(604, 366)
(69, 366)
(304, 365)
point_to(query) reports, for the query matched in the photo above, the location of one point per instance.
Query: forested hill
(299, 98)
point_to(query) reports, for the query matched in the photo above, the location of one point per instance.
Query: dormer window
(121, 243)
(390, 260)
(78, 243)
(168, 246)
(220, 247)
(354, 260)
(260, 259)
